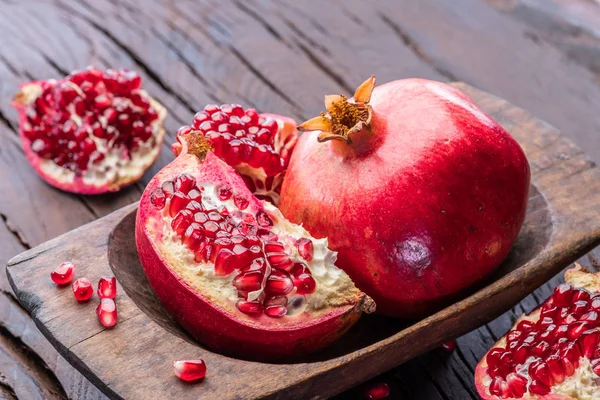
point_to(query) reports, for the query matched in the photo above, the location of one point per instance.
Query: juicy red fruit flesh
(568, 328)
(82, 289)
(107, 287)
(63, 274)
(107, 312)
(189, 370)
(76, 119)
(240, 136)
(234, 239)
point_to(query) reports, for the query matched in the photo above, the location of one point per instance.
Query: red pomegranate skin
(204, 317)
(426, 203)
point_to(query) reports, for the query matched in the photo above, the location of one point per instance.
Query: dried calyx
(344, 117)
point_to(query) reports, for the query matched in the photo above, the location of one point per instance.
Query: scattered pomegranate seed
(305, 248)
(189, 370)
(82, 289)
(449, 345)
(107, 287)
(107, 312)
(377, 391)
(63, 274)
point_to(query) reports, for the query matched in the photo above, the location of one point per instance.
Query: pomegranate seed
(493, 356)
(279, 283)
(248, 281)
(107, 312)
(189, 370)
(107, 287)
(576, 329)
(588, 342)
(182, 221)
(178, 202)
(517, 384)
(305, 248)
(536, 387)
(192, 236)
(540, 349)
(377, 391)
(224, 192)
(449, 345)
(275, 311)
(539, 370)
(184, 183)
(225, 262)
(82, 289)
(241, 202)
(580, 295)
(263, 219)
(303, 280)
(250, 307)
(499, 387)
(63, 274)
(525, 326)
(562, 295)
(158, 198)
(556, 368)
(211, 228)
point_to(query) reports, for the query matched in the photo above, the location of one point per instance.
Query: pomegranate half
(231, 270)
(258, 146)
(552, 353)
(91, 132)
(419, 192)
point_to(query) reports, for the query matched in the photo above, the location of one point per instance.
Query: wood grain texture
(532, 52)
(560, 227)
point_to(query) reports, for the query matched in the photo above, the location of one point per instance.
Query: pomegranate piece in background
(189, 370)
(419, 192)
(554, 352)
(258, 146)
(228, 268)
(90, 132)
(82, 289)
(63, 274)
(107, 312)
(107, 287)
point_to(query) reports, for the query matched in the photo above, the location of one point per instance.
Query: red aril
(449, 346)
(82, 289)
(90, 132)
(189, 370)
(419, 192)
(376, 391)
(550, 361)
(107, 287)
(63, 274)
(107, 312)
(258, 146)
(232, 275)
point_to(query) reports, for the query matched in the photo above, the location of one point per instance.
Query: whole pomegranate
(91, 132)
(552, 353)
(258, 146)
(230, 269)
(419, 192)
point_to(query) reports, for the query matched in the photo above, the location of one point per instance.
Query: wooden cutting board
(133, 360)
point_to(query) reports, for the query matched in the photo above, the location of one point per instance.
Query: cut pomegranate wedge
(91, 132)
(552, 353)
(227, 266)
(258, 146)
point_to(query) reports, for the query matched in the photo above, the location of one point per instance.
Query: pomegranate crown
(344, 117)
(193, 142)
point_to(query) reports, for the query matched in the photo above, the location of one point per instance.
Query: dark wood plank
(558, 229)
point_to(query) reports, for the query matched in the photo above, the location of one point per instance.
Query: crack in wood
(412, 44)
(18, 235)
(326, 70)
(37, 363)
(264, 79)
(254, 15)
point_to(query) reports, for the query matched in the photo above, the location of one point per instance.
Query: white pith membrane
(117, 167)
(583, 383)
(333, 287)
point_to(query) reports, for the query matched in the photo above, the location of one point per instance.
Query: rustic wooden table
(541, 55)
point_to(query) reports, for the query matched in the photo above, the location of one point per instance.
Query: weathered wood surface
(191, 53)
(560, 226)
